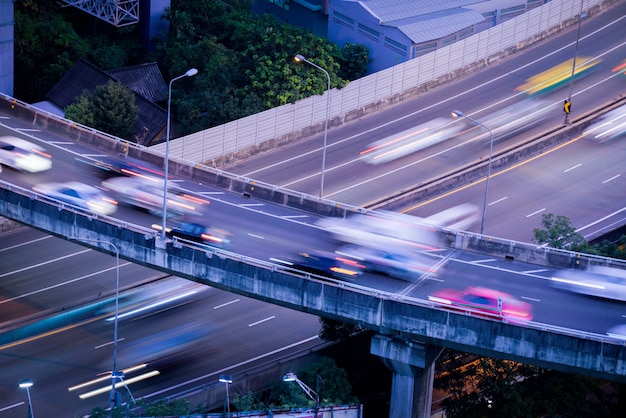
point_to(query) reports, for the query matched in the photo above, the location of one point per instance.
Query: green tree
(332, 386)
(46, 47)
(607, 248)
(111, 109)
(237, 77)
(483, 387)
(82, 110)
(354, 61)
(115, 111)
(558, 232)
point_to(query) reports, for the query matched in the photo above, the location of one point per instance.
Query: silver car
(22, 155)
(80, 195)
(599, 281)
(147, 194)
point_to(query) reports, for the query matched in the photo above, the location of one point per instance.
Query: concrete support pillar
(7, 44)
(413, 366)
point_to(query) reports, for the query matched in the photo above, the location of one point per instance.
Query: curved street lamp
(227, 380)
(299, 58)
(314, 395)
(190, 73)
(115, 374)
(27, 384)
(457, 114)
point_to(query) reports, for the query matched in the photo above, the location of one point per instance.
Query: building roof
(85, 76)
(387, 11)
(144, 79)
(437, 25)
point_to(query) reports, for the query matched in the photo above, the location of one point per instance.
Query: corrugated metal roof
(437, 25)
(85, 76)
(390, 10)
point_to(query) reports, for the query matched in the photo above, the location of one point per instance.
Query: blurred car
(599, 281)
(200, 233)
(621, 68)
(386, 230)
(487, 302)
(324, 263)
(412, 140)
(508, 121)
(22, 155)
(147, 194)
(558, 76)
(401, 265)
(105, 167)
(80, 195)
(610, 125)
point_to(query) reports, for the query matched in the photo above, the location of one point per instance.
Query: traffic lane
(468, 105)
(585, 175)
(63, 276)
(550, 306)
(81, 353)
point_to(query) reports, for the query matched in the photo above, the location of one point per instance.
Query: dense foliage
(110, 108)
(481, 387)
(245, 61)
(558, 232)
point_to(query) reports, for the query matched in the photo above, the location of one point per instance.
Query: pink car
(484, 302)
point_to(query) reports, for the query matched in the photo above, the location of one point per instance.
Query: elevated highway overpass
(410, 329)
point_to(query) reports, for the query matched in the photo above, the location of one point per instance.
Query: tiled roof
(85, 76)
(144, 79)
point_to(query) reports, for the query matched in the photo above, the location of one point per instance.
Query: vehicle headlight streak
(153, 305)
(123, 383)
(105, 377)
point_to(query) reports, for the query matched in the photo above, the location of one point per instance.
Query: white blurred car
(599, 281)
(80, 195)
(410, 141)
(610, 125)
(383, 229)
(147, 194)
(511, 120)
(22, 155)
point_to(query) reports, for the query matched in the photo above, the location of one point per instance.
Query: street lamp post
(26, 384)
(227, 380)
(314, 395)
(458, 113)
(114, 373)
(190, 73)
(581, 16)
(302, 58)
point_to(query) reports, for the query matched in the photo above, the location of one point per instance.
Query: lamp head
(299, 58)
(191, 72)
(290, 377)
(226, 378)
(457, 114)
(26, 383)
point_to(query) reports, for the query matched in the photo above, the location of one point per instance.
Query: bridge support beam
(413, 366)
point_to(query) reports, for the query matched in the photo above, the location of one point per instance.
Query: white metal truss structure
(116, 12)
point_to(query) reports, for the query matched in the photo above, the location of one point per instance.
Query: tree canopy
(245, 61)
(110, 108)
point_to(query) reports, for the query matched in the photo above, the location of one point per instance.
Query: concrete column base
(413, 369)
